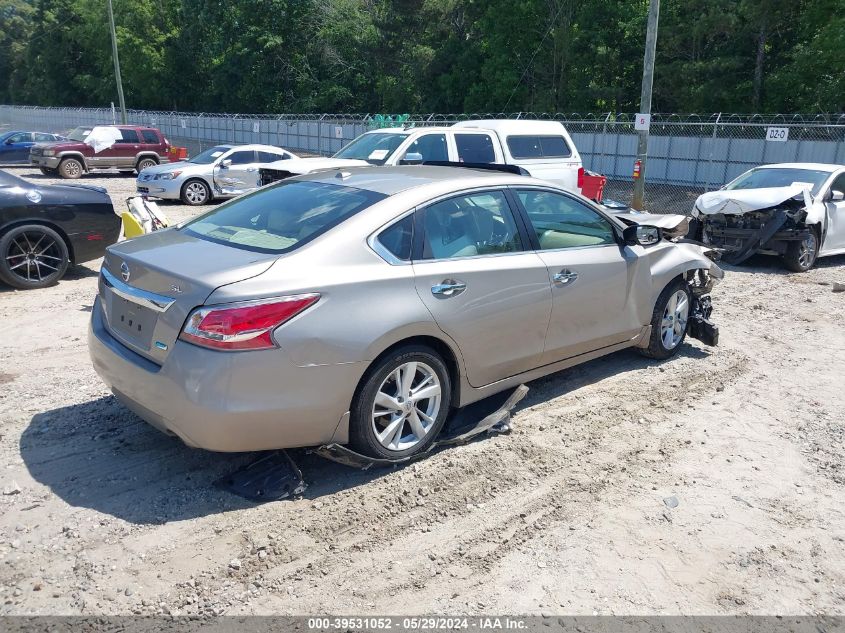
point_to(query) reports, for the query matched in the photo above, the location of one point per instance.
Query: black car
(46, 228)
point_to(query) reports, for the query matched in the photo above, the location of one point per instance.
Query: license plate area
(132, 322)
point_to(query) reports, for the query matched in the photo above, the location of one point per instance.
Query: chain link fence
(688, 154)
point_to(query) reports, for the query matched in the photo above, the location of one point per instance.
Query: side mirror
(412, 158)
(837, 196)
(225, 163)
(642, 235)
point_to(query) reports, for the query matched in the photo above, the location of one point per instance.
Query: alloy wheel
(674, 322)
(807, 251)
(33, 256)
(196, 193)
(406, 406)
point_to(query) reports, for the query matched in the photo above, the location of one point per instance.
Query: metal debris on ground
(273, 477)
(490, 416)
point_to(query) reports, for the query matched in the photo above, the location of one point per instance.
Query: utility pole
(117, 66)
(645, 102)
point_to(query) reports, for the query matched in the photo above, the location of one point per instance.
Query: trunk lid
(149, 285)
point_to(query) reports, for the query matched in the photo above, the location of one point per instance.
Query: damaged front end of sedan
(700, 278)
(770, 221)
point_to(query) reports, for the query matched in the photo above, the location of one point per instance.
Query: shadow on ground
(101, 456)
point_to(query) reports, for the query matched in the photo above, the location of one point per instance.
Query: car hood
(308, 165)
(741, 201)
(182, 166)
(60, 145)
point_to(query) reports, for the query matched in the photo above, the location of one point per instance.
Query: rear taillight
(580, 178)
(243, 326)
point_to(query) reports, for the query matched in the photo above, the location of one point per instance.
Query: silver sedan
(224, 171)
(360, 306)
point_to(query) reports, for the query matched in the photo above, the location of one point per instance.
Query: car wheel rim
(807, 251)
(33, 256)
(72, 169)
(674, 322)
(145, 164)
(195, 192)
(406, 406)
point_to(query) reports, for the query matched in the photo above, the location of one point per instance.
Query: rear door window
(150, 137)
(475, 148)
(270, 157)
(470, 225)
(129, 136)
(530, 146)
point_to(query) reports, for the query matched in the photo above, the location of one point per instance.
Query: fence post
(601, 168)
(712, 145)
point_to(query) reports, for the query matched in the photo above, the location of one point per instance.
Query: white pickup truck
(543, 148)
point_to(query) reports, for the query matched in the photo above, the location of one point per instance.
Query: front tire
(669, 321)
(195, 192)
(801, 256)
(71, 168)
(401, 405)
(32, 256)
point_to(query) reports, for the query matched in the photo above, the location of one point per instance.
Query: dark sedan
(46, 228)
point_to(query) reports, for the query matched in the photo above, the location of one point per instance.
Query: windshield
(279, 218)
(373, 147)
(210, 155)
(780, 177)
(79, 133)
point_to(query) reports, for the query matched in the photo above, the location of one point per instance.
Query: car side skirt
(470, 394)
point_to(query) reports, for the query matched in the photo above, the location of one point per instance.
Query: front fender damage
(701, 282)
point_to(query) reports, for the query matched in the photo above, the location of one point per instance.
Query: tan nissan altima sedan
(361, 306)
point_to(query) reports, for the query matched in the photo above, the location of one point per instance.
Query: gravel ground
(711, 483)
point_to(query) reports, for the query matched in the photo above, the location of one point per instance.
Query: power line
(537, 50)
(29, 40)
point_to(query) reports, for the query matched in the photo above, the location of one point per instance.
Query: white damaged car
(793, 210)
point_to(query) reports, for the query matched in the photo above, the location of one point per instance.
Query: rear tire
(801, 256)
(32, 256)
(71, 168)
(388, 418)
(669, 321)
(144, 163)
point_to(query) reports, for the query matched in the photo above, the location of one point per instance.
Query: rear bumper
(227, 401)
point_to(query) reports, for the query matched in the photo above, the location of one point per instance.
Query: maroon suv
(128, 148)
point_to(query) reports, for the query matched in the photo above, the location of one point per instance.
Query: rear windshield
(538, 147)
(279, 218)
(780, 177)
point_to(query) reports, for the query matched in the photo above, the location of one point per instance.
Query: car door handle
(448, 288)
(565, 277)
